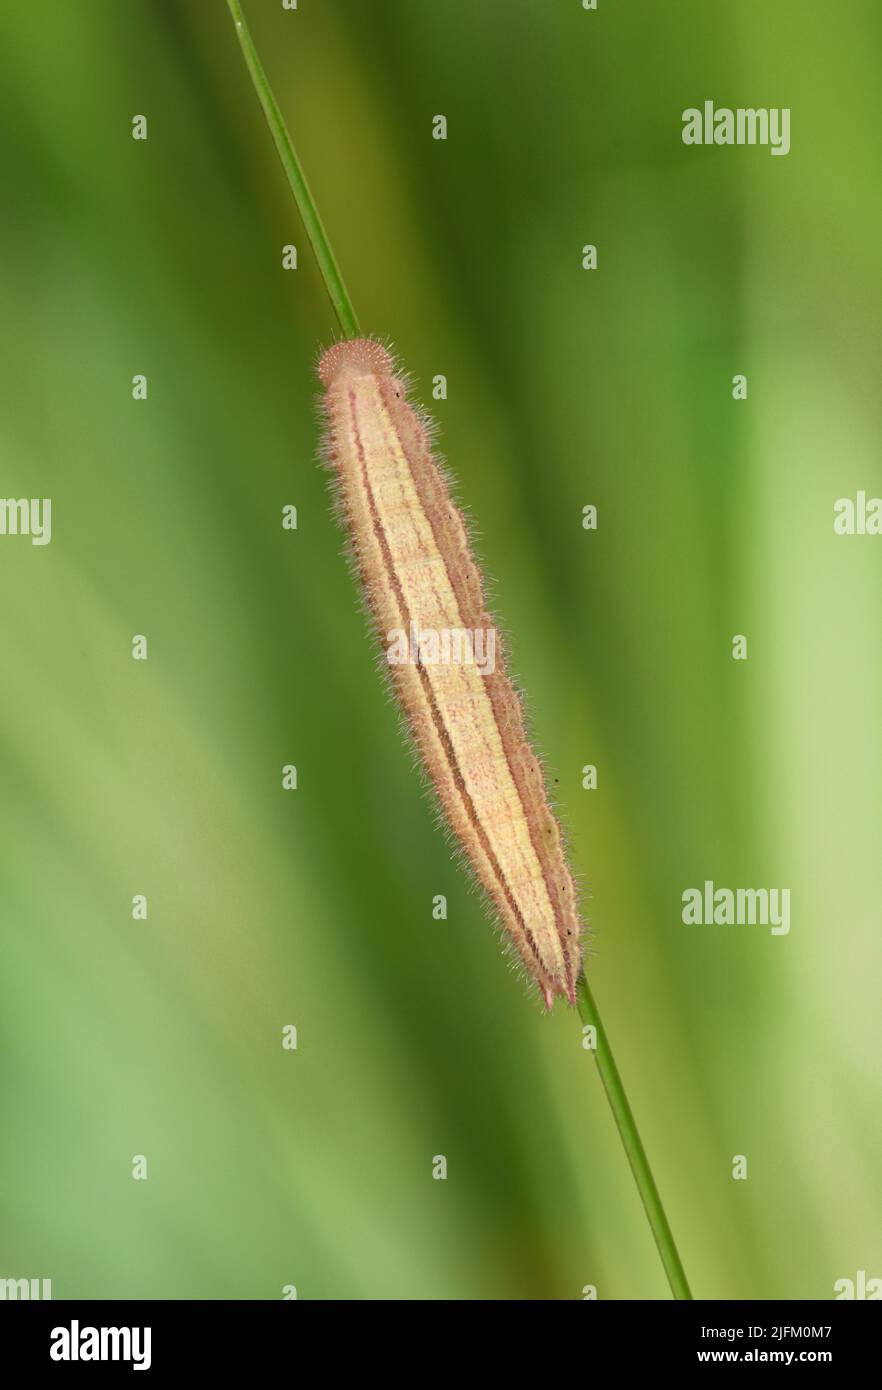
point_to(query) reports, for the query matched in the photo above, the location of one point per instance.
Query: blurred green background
(314, 907)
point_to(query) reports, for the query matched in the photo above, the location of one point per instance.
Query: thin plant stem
(633, 1145)
(609, 1072)
(315, 230)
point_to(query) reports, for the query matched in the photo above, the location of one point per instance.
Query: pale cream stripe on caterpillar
(419, 573)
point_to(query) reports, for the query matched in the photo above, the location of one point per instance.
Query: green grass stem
(318, 237)
(633, 1145)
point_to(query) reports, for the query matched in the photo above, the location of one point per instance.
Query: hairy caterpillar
(421, 580)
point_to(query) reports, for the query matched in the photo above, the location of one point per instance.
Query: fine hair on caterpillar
(422, 584)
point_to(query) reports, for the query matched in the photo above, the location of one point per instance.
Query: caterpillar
(426, 597)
